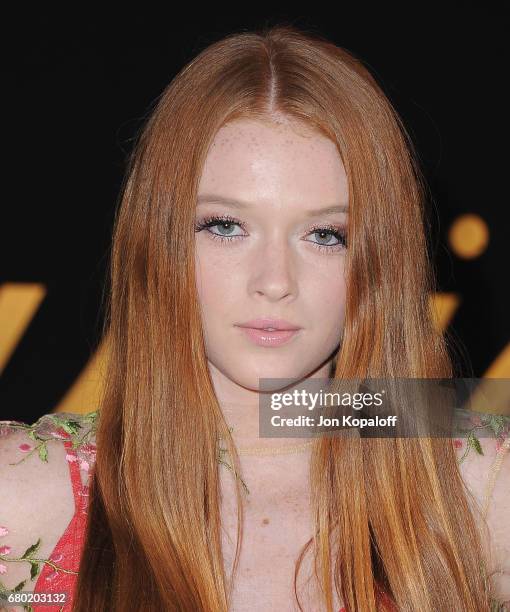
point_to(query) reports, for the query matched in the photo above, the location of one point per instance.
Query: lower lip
(262, 337)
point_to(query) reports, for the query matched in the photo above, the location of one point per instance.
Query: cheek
(326, 291)
(328, 309)
(215, 283)
(332, 313)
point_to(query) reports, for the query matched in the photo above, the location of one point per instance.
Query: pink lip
(261, 337)
(282, 331)
(263, 322)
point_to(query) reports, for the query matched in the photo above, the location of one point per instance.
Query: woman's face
(272, 253)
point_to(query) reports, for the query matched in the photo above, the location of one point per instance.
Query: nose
(274, 272)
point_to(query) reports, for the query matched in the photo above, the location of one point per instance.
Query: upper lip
(266, 322)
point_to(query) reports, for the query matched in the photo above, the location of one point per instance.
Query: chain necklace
(280, 450)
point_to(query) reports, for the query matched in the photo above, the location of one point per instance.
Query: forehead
(252, 159)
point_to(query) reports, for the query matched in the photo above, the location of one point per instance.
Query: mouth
(269, 325)
(268, 337)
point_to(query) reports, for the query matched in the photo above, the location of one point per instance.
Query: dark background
(78, 86)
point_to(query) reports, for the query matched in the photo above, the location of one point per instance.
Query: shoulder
(35, 487)
(36, 449)
(484, 463)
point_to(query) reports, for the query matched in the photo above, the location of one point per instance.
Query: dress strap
(79, 489)
(493, 474)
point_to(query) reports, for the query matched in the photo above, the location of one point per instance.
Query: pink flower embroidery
(89, 450)
(57, 558)
(71, 458)
(24, 448)
(3, 531)
(5, 550)
(84, 466)
(84, 491)
(59, 436)
(3, 569)
(62, 433)
(52, 576)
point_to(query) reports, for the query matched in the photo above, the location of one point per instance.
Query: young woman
(273, 186)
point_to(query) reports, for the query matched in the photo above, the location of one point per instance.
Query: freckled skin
(277, 524)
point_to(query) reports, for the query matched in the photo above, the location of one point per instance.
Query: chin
(253, 384)
(250, 379)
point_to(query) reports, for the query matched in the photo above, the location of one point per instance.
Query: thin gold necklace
(280, 450)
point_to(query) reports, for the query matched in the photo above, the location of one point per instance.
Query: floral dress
(56, 573)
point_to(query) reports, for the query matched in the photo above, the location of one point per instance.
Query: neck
(241, 410)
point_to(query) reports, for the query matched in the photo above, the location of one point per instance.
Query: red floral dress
(56, 573)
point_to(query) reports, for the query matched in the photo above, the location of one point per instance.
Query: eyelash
(339, 233)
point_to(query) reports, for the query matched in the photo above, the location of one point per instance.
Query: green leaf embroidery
(71, 427)
(474, 442)
(497, 423)
(34, 569)
(19, 586)
(498, 426)
(90, 417)
(221, 461)
(43, 452)
(31, 549)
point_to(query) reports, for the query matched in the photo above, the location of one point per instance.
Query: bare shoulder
(484, 463)
(36, 490)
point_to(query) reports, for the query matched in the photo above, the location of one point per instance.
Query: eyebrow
(215, 199)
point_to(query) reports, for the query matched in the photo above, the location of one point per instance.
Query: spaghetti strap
(493, 474)
(80, 491)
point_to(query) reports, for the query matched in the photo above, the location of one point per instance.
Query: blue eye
(226, 224)
(338, 233)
